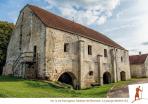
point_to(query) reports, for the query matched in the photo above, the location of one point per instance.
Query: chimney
(140, 53)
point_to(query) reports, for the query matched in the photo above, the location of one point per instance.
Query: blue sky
(124, 21)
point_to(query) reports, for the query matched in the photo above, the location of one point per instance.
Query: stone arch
(122, 75)
(106, 78)
(68, 78)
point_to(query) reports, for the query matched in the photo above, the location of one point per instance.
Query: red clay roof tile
(137, 59)
(54, 21)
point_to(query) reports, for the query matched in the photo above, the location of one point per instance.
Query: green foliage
(5, 33)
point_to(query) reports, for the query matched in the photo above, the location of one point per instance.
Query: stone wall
(79, 62)
(52, 61)
(33, 34)
(137, 71)
(58, 62)
(146, 66)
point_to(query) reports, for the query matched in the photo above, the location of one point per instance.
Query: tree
(5, 33)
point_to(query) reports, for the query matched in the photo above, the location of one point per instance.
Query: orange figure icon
(137, 93)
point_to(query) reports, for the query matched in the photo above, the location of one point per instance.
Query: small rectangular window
(121, 59)
(66, 47)
(22, 16)
(105, 52)
(34, 53)
(89, 49)
(20, 42)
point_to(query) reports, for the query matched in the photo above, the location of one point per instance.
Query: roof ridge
(140, 54)
(138, 59)
(60, 23)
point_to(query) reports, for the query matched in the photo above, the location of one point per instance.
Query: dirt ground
(123, 91)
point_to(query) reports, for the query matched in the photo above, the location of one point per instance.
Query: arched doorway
(67, 78)
(123, 76)
(106, 78)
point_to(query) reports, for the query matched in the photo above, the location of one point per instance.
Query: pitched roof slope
(54, 21)
(138, 59)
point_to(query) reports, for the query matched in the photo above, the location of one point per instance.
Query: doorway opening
(123, 76)
(106, 78)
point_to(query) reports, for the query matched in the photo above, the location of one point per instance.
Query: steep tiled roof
(54, 21)
(138, 59)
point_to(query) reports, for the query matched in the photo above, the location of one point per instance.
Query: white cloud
(102, 20)
(86, 12)
(124, 26)
(128, 25)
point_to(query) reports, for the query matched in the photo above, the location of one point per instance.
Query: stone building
(50, 47)
(139, 65)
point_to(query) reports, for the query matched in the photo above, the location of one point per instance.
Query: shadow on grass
(3, 96)
(53, 85)
(10, 79)
(36, 84)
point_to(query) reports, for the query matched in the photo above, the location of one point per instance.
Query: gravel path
(123, 92)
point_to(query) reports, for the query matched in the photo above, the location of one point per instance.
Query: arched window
(91, 73)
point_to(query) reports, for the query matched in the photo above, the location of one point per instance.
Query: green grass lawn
(122, 84)
(12, 87)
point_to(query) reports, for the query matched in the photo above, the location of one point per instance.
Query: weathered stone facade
(139, 66)
(38, 51)
(29, 33)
